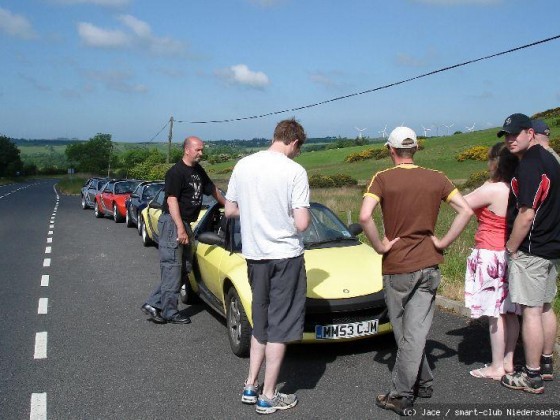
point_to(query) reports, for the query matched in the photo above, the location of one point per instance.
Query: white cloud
(140, 28)
(120, 81)
(240, 74)
(105, 3)
(102, 38)
(328, 80)
(16, 25)
(136, 33)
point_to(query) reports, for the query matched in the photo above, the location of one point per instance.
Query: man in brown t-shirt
(410, 198)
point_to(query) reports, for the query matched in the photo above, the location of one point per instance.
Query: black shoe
(400, 405)
(423, 392)
(179, 319)
(153, 313)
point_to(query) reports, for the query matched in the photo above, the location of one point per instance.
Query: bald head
(192, 150)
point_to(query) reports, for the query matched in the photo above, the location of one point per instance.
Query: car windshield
(125, 187)
(151, 190)
(326, 229)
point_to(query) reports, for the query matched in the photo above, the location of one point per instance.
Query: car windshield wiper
(309, 245)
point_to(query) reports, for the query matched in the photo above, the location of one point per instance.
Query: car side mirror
(211, 238)
(355, 229)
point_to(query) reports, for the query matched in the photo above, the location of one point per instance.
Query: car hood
(343, 272)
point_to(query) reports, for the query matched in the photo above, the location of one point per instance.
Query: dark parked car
(90, 190)
(110, 200)
(138, 200)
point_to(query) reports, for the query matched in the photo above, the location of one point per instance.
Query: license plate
(354, 329)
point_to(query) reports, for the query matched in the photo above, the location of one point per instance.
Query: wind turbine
(384, 131)
(448, 127)
(426, 131)
(360, 130)
(470, 129)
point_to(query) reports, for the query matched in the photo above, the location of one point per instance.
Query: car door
(154, 211)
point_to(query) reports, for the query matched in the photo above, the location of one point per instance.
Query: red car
(110, 201)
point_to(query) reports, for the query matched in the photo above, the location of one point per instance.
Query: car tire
(146, 240)
(116, 216)
(139, 223)
(84, 203)
(97, 212)
(239, 328)
(129, 222)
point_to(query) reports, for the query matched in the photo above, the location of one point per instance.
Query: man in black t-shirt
(533, 246)
(185, 183)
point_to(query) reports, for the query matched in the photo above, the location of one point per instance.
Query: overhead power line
(374, 89)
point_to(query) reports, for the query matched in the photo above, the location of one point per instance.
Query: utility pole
(169, 139)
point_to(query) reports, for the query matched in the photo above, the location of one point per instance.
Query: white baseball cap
(402, 138)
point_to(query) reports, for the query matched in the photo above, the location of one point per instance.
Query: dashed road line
(40, 345)
(47, 262)
(43, 306)
(45, 280)
(38, 406)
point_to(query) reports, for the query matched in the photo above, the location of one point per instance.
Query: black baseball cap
(515, 124)
(541, 127)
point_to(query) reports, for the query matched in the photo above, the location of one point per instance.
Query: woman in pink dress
(486, 283)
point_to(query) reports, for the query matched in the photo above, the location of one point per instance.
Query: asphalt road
(103, 360)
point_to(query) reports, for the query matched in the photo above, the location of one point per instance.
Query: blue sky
(74, 68)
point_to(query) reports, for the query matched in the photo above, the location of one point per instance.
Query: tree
(10, 161)
(92, 156)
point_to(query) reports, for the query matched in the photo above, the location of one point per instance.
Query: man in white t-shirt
(270, 194)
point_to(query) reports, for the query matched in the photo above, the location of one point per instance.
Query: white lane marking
(51, 226)
(50, 232)
(47, 262)
(45, 280)
(49, 240)
(40, 345)
(48, 250)
(43, 306)
(38, 406)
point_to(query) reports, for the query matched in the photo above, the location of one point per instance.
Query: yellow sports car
(345, 297)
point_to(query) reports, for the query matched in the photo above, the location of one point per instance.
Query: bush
(475, 180)
(325, 181)
(474, 153)
(555, 144)
(374, 153)
(320, 181)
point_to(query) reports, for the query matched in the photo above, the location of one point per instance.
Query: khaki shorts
(532, 279)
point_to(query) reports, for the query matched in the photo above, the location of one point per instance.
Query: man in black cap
(533, 246)
(542, 134)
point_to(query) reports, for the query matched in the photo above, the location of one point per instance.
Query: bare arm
(381, 246)
(231, 209)
(521, 226)
(218, 196)
(175, 213)
(301, 218)
(481, 197)
(464, 213)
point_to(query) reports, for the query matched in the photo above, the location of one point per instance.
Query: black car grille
(344, 311)
(311, 320)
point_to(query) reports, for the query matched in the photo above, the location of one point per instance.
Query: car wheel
(146, 240)
(84, 203)
(239, 329)
(96, 211)
(139, 223)
(116, 216)
(129, 222)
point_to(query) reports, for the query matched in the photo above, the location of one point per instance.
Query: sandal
(478, 373)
